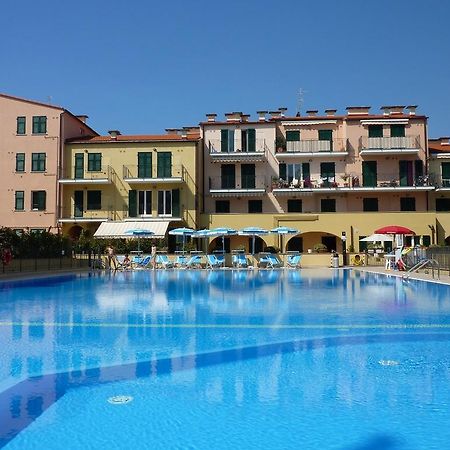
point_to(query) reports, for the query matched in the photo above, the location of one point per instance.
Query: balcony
(352, 183)
(442, 184)
(73, 214)
(313, 148)
(407, 145)
(244, 186)
(154, 175)
(238, 150)
(75, 175)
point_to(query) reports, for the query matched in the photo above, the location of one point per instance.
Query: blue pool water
(225, 359)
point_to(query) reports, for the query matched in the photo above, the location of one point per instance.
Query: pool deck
(422, 275)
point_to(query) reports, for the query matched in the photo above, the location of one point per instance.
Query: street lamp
(344, 248)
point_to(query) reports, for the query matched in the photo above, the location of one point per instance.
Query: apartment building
(327, 175)
(32, 136)
(150, 179)
(439, 166)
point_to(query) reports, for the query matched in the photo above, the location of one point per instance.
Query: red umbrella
(394, 229)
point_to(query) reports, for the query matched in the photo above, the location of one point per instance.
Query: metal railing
(391, 179)
(239, 182)
(440, 182)
(389, 143)
(237, 146)
(315, 146)
(153, 172)
(75, 173)
(74, 213)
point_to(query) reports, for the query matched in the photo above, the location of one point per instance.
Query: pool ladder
(421, 265)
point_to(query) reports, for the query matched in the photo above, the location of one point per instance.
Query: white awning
(119, 229)
(308, 122)
(384, 122)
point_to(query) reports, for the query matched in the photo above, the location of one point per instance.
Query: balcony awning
(119, 229)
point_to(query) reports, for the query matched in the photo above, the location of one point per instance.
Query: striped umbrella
(282, 231)
(223, 231)
(139, 232)
(253, 232)
(182, 232)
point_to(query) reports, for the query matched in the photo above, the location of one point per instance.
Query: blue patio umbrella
(282, 231)
(182, 232)
(139, 232)
(201, 234)
(223, 231)
(253, 232)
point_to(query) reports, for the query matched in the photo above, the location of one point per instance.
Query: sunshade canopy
(378, 238)
(111, 230)
(394, 229)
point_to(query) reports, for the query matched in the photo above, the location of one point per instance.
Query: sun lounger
(213, 262)
(270, 260)
(195, 261)
(163, 261)
(142, 263)
(181, 261)
(239, 260)
(293, 261)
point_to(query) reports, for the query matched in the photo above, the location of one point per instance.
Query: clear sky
(143, 66)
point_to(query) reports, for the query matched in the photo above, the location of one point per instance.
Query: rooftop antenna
(50, 98)
(300, 100)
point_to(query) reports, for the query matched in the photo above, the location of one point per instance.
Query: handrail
(421, 264)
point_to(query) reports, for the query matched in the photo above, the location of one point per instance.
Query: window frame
(403, 204)
(144, 202)
(21, 121)
(17, 199)
(162, 206)
(93, 204)
(38, 162)
(37, 200)
(20, 160)
(39, 125)
(331, 210)
(366, 201)
(291, 202)
(223, 202)
(93, 161)
(252, 210)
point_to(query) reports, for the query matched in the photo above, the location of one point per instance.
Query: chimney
(411, 109)
(312, 112)
(184, 132)
(389, 110)
(211, 117)
(114, 133)
(282, 110)
(330, 112)
(358, 110)
(275, 114)
(171, 130)
(245, 117)
(233, 116)
(262, 115)
(83, 118)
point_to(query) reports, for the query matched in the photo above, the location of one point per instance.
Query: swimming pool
(224, 359)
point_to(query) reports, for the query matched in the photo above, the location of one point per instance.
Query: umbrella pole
(223, 250)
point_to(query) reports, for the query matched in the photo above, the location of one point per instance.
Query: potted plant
(320, 248)
(345, 177)
(280, 144)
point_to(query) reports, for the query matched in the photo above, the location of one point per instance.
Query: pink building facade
(32, 136)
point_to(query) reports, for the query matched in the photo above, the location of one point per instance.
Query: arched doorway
(75, 232)
(313, 240)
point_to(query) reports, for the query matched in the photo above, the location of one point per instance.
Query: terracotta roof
(20, 99)
(191, 137)
(438, 145)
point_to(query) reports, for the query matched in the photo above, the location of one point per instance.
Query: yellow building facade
(118, 178)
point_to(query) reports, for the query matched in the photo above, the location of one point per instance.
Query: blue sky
(143, 66)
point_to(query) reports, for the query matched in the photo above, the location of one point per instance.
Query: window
(328, 205)
(38, 162)
(248, 177)
(325, 135)
(164, 203)
(39, 124)
(227, 140)
(294, 205)
(445, 170)
(327, 173)
(94, 162)
(38, 199)
(443, 204)
(222, 206)
(370, 204)
(228, 176)
(94, 200)
(407, 204)
(248, 139)
(292, 136)
(21, 125)
(289, 172)
(397, 130)
(164, 168)
(144, 165)
(375, 131)
(369, 173)
(426, 240)
(145, 202)
(19, 201)
(20, 162)
(255, 206)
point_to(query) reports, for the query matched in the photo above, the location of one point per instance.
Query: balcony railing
(74, 213)
(442, 183)
(383, 180)
(389, 143)
(237, 146)
(136, 172)
(74, 175)
(245, 182)
(314, 146)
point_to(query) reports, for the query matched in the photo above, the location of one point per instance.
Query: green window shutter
(418, 167)
(224, 140)
(445, 166)
(21, 125)
(369, 172)
(375, 131)
(327, 170)
(397, 130)
(406, 173)
(79, 166)
(248, 178)
(306, 171)
(132, 203)
(19, 206)
(282, 171)
(144, 165)
(176, 209)
(164, 165)
(325, 135)
(20, 162)
(78, 198)
(94, 200)
(251, 137)
(292, 136)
